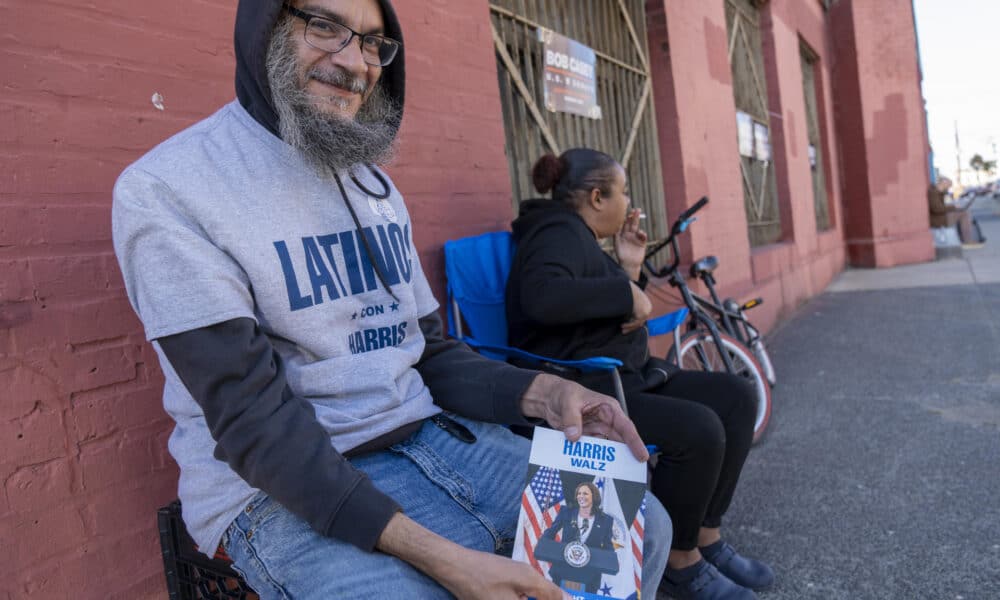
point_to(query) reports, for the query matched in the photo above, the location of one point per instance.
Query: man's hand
(576, 411)
(642, 307)
(468, 574)
(489, 576)
(630, 245)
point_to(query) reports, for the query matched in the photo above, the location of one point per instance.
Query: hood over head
(255, 20)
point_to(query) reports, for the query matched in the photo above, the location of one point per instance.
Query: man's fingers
(628, 434)
(608, 421)
(548, 591)
(572, 421)
(623, 428)
(583, 411)
(541, 588)
(636, 445)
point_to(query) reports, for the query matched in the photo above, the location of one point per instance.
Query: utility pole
(958, 158)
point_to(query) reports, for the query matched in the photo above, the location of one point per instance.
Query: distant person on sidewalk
(948, 215)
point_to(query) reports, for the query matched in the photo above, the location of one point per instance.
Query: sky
(959, 50)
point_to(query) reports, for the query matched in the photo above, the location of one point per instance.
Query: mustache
(328, 142)
(339, 78)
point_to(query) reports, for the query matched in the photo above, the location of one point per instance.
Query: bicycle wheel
(698, 352)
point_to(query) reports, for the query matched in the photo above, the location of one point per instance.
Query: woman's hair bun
(547, 172)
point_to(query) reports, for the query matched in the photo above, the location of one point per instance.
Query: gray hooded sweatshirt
(281, 347)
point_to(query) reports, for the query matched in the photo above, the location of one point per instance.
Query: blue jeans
(468, 493)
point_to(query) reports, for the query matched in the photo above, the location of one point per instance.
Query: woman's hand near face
(630, 245)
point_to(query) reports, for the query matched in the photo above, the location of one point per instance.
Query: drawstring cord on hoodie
(385, 184)
(357, 222)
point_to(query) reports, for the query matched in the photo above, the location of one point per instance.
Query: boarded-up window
(820, 199)
(616, 31)
(746, 58)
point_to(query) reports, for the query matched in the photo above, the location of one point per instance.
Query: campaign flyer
(583, 516)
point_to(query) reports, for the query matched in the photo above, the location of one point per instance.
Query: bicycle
(701, 347)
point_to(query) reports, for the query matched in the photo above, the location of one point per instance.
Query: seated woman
(583, 522)
(568, 299)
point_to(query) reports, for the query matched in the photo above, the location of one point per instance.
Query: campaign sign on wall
(762, 142)
(744, 133)
(569, 75)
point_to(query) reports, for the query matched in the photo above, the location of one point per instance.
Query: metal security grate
(616, 30)
(820, 198)
(746, 59)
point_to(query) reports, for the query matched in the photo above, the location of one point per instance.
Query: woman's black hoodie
(566, 298)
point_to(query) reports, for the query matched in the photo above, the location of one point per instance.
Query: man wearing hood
(273, 268)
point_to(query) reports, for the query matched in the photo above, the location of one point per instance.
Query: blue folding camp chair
(477, 268)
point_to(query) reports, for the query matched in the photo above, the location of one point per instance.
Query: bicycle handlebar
(684, 216)
(679, 226)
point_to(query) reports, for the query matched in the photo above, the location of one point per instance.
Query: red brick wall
(452, 170)
(696, 120)
(83, 461)
(875, 178)
(807, 259)
(692, 86)
(881, 122)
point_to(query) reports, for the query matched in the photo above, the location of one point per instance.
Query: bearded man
(327, 434)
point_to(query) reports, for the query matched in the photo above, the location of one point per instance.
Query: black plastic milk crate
(190, 574)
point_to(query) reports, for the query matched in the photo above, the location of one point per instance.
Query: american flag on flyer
(555, 468)
(541, 502)
(636, 533)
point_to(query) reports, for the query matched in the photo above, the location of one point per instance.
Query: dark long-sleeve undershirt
(271, 438)
(465, 383)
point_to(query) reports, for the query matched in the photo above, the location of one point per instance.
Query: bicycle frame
(734, 323)
(712, 315)
(698, 315)
(698, 305)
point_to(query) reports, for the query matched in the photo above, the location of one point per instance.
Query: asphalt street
(879, 476)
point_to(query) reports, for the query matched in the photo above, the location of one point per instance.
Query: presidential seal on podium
(577, 554)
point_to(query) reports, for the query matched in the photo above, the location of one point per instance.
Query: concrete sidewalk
(981, 265)
(880, 474)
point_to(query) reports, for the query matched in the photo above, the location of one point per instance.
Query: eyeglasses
(331, 36)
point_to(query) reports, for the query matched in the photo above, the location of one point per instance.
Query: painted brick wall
(83, 462)
(452, 169)
(693, 82)
(881, 124)
(868, 55)
(692, 86)
(803, 264)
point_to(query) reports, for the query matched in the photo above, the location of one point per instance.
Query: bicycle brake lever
(685, 223)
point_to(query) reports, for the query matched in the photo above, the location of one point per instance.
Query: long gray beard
(328, 142)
